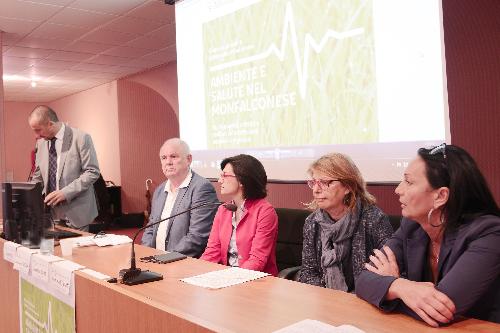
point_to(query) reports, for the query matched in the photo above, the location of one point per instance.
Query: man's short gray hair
(181, 143)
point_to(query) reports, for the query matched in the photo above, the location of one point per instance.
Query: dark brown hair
(469, 195)
(250, 173)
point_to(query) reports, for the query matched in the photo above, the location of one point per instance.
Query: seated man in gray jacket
(188, 232)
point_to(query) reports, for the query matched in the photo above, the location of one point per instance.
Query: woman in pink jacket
(245, 238)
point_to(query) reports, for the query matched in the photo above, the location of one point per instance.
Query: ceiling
(67, 46)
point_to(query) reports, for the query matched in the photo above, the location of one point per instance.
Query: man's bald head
(44, 122)
(42, 114)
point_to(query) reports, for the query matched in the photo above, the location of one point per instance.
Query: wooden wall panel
(472, 42)
(146, 120)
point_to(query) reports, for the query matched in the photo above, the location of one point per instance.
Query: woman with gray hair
(345, 227)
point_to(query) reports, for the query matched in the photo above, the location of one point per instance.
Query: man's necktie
(51, 185)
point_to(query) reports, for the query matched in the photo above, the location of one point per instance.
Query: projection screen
(289, 81)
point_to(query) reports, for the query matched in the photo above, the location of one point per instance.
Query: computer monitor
(24, 218)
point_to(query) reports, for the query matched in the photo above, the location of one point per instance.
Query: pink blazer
(256, 236)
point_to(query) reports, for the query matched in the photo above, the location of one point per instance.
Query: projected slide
(288, 81)
(302, 74)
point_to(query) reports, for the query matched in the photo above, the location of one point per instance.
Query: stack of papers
(316, 326)
(111, 239)
(224, 278)
(101, 240)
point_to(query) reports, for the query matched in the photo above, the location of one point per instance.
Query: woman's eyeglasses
(322, 183)
(226, 175)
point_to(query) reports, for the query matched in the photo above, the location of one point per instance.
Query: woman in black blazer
(444, 260)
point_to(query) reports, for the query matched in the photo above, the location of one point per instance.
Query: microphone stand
(134, 275)
(33, 167)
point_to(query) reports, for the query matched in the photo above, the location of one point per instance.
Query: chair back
(290, 236)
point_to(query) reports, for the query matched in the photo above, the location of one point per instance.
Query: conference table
(170, 305)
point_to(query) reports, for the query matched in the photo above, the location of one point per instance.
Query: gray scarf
(336, 246)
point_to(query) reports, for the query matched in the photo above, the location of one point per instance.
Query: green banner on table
(42, 312)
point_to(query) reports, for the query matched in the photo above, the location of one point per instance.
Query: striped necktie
(51, 185)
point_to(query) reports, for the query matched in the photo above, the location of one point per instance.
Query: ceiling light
(7, 77)
(33, 84)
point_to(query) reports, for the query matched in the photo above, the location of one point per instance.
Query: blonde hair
(341, 167)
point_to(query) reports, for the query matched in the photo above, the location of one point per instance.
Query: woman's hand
(424, 299)
(384, 264)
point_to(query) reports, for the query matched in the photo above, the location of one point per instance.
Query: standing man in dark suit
(66, 164)
(186, 233)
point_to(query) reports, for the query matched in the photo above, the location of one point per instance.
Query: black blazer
(468, 269)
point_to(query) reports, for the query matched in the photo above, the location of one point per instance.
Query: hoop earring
(429, 219)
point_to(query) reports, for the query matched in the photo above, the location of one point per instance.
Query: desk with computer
(26, 219)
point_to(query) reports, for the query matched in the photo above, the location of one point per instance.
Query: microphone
(134, 275)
